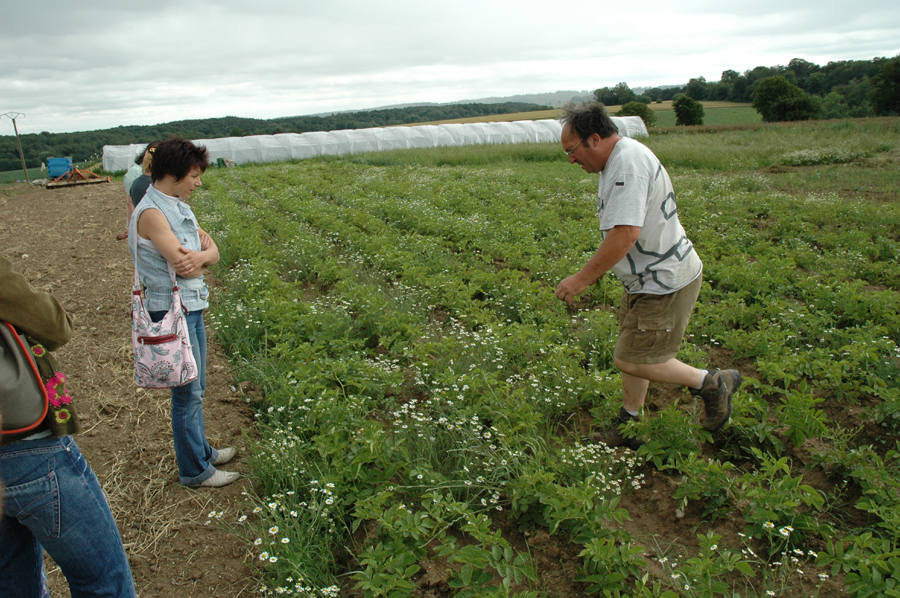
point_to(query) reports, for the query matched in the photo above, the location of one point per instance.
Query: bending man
(646, 246)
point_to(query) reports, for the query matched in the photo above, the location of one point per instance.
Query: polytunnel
(298, 146)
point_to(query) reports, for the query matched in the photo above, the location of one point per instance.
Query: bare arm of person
(618, 242)
(187, 263)
(207, 244)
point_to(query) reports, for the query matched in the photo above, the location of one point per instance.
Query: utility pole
(13, 116)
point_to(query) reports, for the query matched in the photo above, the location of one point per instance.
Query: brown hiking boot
(611, 436)
(718, 386)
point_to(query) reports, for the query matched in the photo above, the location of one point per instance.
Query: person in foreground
(53, 500)
(164, 229)
(646, 246)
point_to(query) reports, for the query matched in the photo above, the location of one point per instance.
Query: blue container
(56, 167)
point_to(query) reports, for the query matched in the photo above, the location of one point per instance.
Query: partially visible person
(131, 176)
(164, 230)
(143, 182)
(53, 500)
(647, 248)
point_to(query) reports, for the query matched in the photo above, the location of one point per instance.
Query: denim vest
(151, 265)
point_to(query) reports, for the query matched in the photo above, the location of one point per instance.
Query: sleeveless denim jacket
(151, 265)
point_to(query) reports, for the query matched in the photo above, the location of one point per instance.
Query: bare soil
(64, 242)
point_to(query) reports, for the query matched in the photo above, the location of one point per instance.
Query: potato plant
(420, 385)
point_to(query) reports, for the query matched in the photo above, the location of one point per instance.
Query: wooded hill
(86, 144)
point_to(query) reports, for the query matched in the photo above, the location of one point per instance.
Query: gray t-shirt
(139, 188)
(635, 190)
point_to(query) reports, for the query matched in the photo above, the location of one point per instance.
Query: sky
(73, 66)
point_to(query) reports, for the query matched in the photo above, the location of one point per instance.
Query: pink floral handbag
(162, 350)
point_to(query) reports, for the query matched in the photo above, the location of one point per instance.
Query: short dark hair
(587, 119)
(176, 157)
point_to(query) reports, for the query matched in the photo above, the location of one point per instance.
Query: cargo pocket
(652, 332)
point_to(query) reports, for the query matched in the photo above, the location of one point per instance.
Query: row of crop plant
(425, 397)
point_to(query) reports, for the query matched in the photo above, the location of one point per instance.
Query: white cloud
(70, 67)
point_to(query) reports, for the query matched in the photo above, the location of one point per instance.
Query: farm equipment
(62, 173)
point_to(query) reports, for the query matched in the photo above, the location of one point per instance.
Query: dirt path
(63, 241)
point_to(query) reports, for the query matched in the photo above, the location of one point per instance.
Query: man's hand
(615, 246)
(571, 287)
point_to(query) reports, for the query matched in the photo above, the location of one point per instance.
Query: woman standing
(164, 229)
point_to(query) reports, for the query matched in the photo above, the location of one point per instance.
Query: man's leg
(634, 391)
(715, 388)
(668, 372)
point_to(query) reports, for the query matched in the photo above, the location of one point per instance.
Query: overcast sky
(75, 66)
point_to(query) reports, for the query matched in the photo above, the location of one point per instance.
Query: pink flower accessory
(38, 350)
(56, 390)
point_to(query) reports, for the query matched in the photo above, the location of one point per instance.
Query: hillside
(82, 146)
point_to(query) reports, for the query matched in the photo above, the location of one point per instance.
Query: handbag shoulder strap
(132, 240)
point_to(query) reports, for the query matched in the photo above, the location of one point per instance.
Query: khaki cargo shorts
(651, 326)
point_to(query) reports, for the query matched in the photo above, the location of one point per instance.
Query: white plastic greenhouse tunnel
(298, 146)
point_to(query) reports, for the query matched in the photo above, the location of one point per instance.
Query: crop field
(425, 404)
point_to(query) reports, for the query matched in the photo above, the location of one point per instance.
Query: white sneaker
(225, 455)
(219, 479)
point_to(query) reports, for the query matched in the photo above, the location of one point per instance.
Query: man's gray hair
(587, 119)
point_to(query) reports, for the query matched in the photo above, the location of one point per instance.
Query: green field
(731, 115)
(13, 176)
(424, 400)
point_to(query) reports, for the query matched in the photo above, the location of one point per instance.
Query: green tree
(777, 99)
(885, 94)
(696, 88)
(638, 109)
(856, 93)
(688, 111)
(802, 69)
(615, 96)
(834, 106)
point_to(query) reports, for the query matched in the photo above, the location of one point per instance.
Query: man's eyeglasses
(569, 152)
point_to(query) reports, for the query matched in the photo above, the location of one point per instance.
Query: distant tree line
(797, 91)
(84, 145)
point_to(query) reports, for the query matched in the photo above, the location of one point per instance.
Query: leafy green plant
(779, 504)
(609, 561)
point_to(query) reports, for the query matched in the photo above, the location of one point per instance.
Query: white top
(635, 190)
(131, 176)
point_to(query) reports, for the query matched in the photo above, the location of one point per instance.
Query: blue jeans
(53, 502)
(192, 451)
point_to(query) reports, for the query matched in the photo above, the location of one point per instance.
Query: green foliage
(885, 95)
(670, 436)
(688, 111)
(710, 482)
(609, 561)
(417, 376)
(872, 566)
(615, 96)
(777, 99)
(635, 108)
(780, 509)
